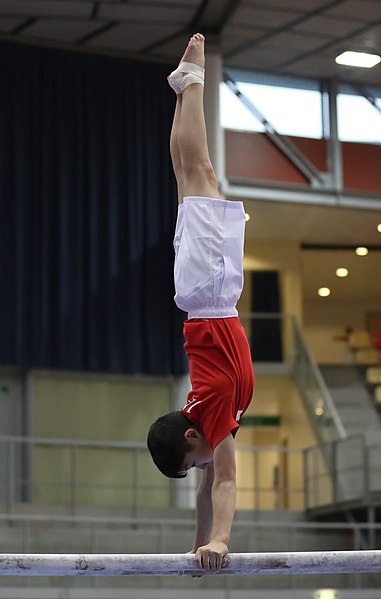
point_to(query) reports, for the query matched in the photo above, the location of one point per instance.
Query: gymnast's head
(168, 444)
(177, 444)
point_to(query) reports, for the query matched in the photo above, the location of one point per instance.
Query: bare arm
(204, 510)
(223, 501)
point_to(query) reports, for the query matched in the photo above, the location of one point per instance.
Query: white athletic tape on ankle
(187, 73)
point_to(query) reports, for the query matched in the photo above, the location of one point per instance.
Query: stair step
(353, 404)
(336, 376)
(347, 386)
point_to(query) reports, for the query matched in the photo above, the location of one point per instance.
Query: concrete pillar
(216, 138)
(334, 148)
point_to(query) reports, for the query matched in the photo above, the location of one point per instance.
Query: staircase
(351, 398)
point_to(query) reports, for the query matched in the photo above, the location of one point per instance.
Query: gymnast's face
(201, 455)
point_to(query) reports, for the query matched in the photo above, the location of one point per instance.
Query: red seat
(376, 340)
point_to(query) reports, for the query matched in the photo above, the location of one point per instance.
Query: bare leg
(189, 149)
(174, 149)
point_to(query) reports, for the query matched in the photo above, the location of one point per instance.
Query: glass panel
(319, 489)
(349, 469)
(314, 392)
(291, 111)
(104, 476)
(97, 476)
(234, 114)
(153, 489)
(357, 119)
(51, 468)
(269, 479)
(374, 456)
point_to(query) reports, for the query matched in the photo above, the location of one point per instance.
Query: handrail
(92, 443)
(184, 522)
(312, 365)
(338, 478)
(321, 383)
(75, 442)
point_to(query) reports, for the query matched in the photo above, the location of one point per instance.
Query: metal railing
(314, 392)
(156, 530)
(344, 471)
(76, 474)
(73, 474)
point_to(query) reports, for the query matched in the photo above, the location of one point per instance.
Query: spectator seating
(366, 347)
(377, 395)
(360, 340)
(376, 340)
(373, 379)
(373, 375)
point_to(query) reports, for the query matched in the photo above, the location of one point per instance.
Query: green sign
(260, 421)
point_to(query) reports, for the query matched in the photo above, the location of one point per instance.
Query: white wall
(284, 257)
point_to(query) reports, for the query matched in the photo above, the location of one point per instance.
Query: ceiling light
(379, 228)
(342, 272)
(247, 217)
(361, 251)
(324, 291)
(358, 59)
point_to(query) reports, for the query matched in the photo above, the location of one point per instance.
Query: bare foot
(195, 52)
(193, 61)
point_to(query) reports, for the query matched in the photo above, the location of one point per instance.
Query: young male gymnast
(208, 273)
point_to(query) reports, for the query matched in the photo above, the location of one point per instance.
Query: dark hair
(168, 445)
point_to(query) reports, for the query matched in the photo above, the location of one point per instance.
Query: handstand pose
(208, 245)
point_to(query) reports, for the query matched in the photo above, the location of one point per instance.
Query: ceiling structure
(287, 37)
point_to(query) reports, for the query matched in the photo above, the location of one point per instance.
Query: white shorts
(208, 244)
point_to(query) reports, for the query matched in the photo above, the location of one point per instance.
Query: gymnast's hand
(211, 556)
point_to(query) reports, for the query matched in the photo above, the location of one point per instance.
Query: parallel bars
(236, 564)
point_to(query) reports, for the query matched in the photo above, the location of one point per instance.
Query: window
(292, 111)
(357, 119)
(294, 107)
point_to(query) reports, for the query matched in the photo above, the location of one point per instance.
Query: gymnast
(208, 274)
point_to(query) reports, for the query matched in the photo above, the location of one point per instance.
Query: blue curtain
(87, 214)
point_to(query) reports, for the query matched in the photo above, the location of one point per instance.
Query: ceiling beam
(213, 15)
(24, 25)
(274, 32)
(101, 29)
(210, 18)
(337, 42)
